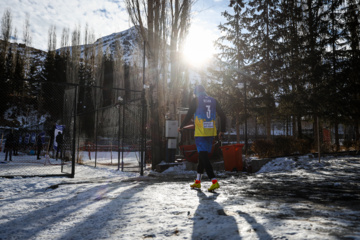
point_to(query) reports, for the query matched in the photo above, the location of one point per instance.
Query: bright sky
(106, 17)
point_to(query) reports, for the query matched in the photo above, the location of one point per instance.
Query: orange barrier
(233, 157)
(190, 152)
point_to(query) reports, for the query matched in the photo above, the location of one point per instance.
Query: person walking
(59, 141)
(9, 144)
(39, 146)
(51, 133)
(204, 109)
(16, 144)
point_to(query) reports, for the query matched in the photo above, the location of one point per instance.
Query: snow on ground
(287, 199)
(28, 165)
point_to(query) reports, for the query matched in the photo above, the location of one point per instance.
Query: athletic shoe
(214, 186)
(197, 184)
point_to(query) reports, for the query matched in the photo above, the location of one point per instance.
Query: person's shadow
(211, 221)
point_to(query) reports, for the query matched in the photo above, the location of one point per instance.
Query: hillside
(128, 40)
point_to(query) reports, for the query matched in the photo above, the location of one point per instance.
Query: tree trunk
(237, 129)
(299, 127)
(156, 135)
(256, 129)
(316, 127)
(268, 124)
(293, 120)
(356, 129)
(337, 143)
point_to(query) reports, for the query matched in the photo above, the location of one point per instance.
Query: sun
(198, 48)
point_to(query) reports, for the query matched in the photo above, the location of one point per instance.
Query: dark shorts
(204, 143)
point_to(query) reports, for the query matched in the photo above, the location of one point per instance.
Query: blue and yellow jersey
(205, 117)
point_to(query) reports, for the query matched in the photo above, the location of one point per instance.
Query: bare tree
(146, 15)
(92, 51)
(64, 40)
(26, 31)
(15, 38)
(52, 38)
(89, 54)
(98, 71)
(14, 50)
(151, 17)
(6, 28)
(27, 39)
(86, 47)
(180, 23)
(73, 65)
(118, 66)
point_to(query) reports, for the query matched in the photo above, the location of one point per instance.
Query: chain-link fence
(99, 127)
(28, 119)
(109, 135)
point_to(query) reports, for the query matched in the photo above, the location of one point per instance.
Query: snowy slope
(128, 40)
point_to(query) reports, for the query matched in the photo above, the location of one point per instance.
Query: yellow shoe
(214, 186)
(197, 184)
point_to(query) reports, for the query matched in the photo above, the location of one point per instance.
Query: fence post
(123, 137)
(143, 139)
(119, 137)
(96, 128)
(74, 134)
(318, 137)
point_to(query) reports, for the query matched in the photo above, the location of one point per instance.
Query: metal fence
(110, 135)
(101, 128)
(27, 123)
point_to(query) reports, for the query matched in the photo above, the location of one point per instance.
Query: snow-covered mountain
(127, 39)
(36, 56)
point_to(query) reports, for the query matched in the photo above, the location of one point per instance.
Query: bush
(281, 146)
(348, 144)
(357, 145)
(284, 146)
(263, 148)
(302, 146)
(327, 148)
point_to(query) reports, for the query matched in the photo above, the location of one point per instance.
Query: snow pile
(177, 169)
(279, 165)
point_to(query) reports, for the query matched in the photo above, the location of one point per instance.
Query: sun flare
(198, 48)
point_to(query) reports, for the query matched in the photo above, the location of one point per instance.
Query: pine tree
(81, 98)
(9, 71)
(352, 70)
(292, 98)
(4, 86)
(47, 88)
(7, 80)
(6, 29)
(34, 76)
(233, 50)
(108, 79)
(263, 51)
(19, 75)
(333, 110)
(60, 63)
(315, 22)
